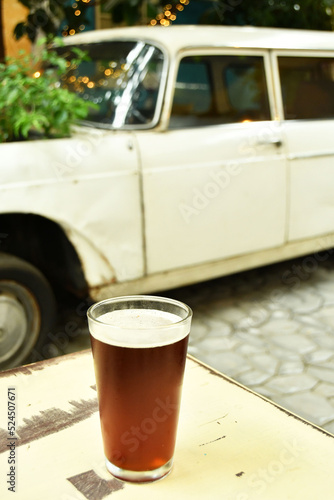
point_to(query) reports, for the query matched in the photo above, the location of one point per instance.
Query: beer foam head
(139, 327)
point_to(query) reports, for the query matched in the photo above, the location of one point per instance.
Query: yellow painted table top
(232, 443)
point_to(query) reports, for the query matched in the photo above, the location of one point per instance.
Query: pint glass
(139, 346)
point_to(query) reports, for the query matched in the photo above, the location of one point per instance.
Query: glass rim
(140, 298)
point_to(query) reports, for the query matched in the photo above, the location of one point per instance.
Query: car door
(305, 82)
(214, 183)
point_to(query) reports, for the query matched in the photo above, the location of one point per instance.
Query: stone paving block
(319, 356)
(310, 324)
(254, 340)
(325, 389)
(198, 330)
(218, 327)
(300, 301)
(231, 314)
(326, 289)
(325, 340)
(326, 315)
(322, 374)
(329, 365)
(217, 343)
(232, 363)
(256, 318)
(195, 351)
(283, 354)
(291, 367)
(312, 407)
(295, 343)
(288, 384)
(281, 327)
(281, 314)
(265, 391)
(254, 378)
(248, 350)
(265, 363)
(329, 427)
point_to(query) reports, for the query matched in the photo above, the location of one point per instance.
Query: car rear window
(307, 87)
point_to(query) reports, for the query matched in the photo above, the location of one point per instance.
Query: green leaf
(13, 94)
(19, 31)
(28, 103)
(61, 116)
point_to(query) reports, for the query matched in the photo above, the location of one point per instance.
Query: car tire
(27, 311)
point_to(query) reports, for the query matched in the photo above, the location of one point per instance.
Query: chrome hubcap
(19, 322)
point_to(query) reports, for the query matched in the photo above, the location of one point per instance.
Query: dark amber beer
(139, 346)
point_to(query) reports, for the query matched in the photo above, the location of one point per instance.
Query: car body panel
(151, 207)
(88, 184)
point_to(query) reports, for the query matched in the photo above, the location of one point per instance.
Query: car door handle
(273, 141)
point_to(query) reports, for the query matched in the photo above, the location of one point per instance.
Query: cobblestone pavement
(272, 329)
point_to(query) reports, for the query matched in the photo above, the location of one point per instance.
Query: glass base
(135, 476)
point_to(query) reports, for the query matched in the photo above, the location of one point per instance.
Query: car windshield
(124, 79)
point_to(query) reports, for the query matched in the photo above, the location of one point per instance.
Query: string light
(110, 74)
(167, 17)
(169, 13)
(77, 12)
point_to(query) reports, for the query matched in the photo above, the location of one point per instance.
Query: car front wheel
(27, 311)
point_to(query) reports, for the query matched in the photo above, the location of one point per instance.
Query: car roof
(176, 38)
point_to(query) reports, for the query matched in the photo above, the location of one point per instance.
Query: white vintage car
(211, 152)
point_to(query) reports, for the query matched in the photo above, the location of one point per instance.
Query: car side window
(307, 87)
(212, 90)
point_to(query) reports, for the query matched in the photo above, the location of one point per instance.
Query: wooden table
(232, 443)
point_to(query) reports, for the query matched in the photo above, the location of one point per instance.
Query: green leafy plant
(32, 98)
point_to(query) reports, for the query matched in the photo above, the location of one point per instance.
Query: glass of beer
(139, 346)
